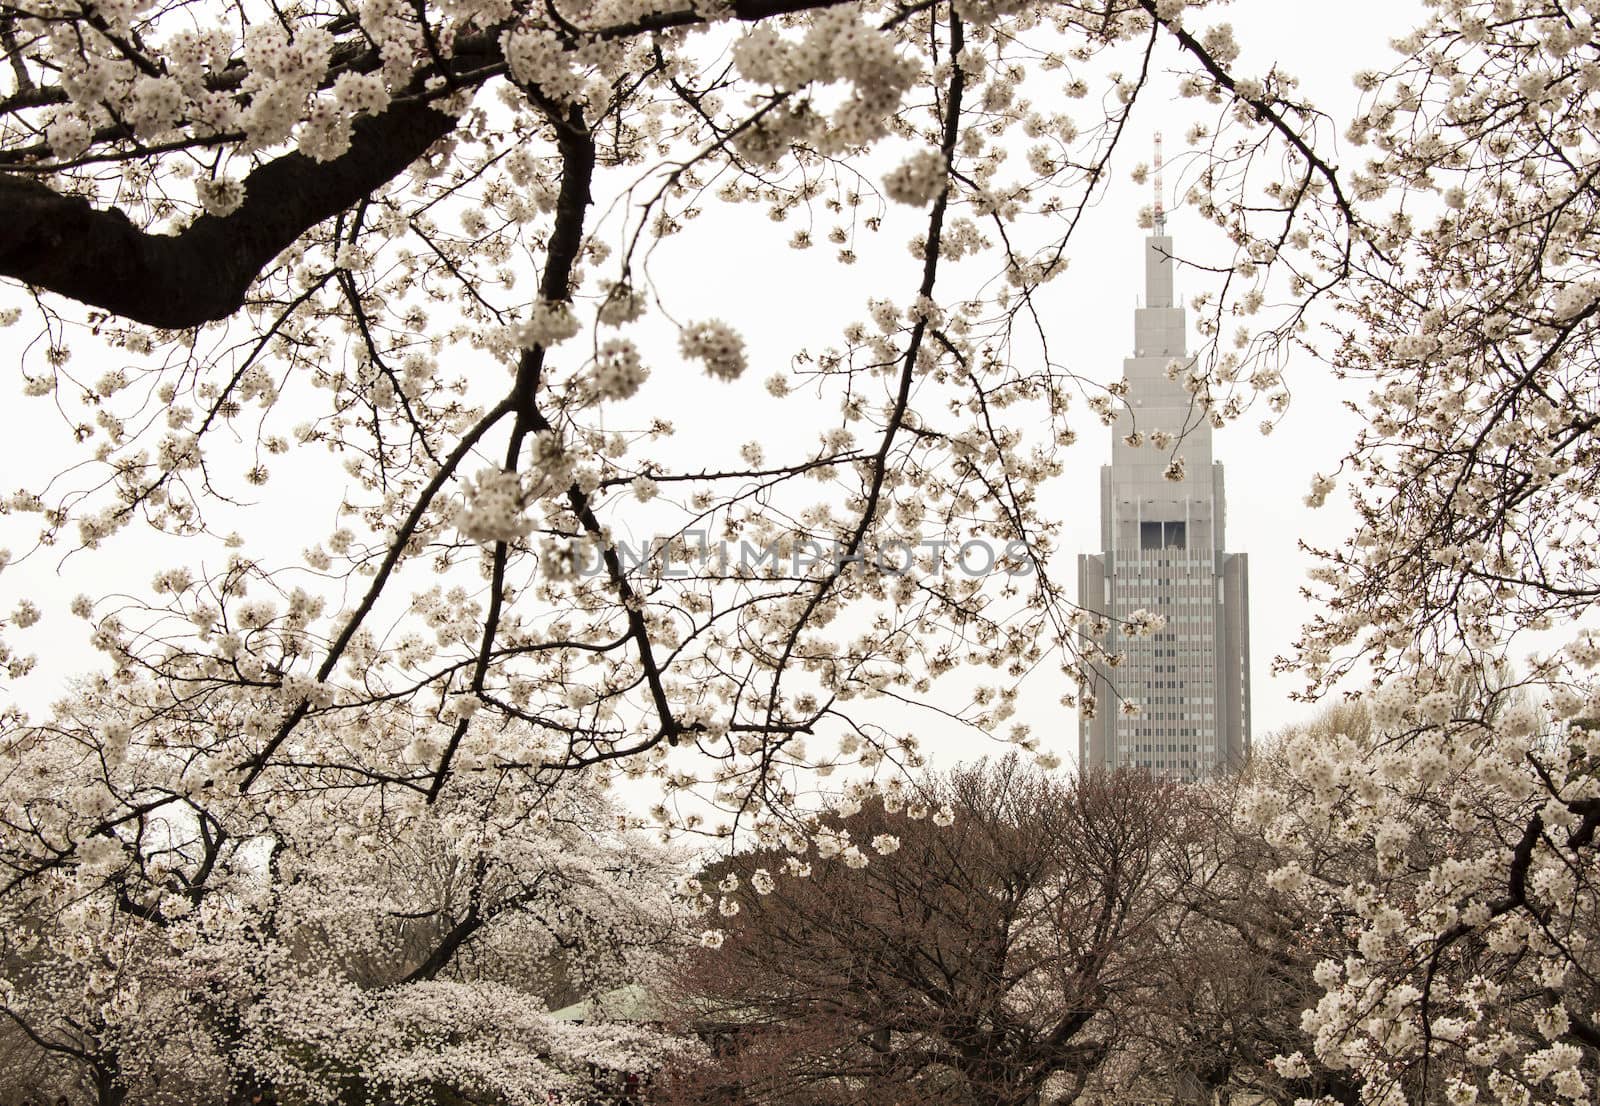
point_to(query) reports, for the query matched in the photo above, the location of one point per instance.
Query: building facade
(1162, 547)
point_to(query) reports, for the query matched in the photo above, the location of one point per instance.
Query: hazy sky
(1092, 308)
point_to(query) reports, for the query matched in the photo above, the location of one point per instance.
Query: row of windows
(1160, 563)
(1207, 619)
(1156, 583)
(1173, 765)
(1163, 604)
(1148, 588)
(1146, 657)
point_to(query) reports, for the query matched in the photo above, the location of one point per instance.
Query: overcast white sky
(1093, 318)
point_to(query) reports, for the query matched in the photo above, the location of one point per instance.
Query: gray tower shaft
(1163, 551)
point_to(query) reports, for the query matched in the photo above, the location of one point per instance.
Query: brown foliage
(984, 962)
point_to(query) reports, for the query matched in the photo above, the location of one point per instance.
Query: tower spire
(1159, 209)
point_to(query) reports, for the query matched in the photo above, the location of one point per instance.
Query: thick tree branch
(63, 244)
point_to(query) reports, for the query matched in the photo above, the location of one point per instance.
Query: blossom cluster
(717, 346)
(1442, 929)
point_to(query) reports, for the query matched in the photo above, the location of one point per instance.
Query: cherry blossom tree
(335, 941)
(1447, 919)
(421, 239)
(1471, 320)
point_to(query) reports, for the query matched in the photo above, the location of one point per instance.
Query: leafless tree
(990, 961)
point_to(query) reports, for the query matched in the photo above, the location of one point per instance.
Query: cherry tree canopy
(420, 237)
(323, 944)
(316, 221)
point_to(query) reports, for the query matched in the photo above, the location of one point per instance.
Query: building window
(1163, 535)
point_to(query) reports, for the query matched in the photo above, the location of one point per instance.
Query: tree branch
(63, 244)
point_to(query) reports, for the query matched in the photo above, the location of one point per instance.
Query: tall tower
(1163, 552)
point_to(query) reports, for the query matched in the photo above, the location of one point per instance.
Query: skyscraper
(1162, 544)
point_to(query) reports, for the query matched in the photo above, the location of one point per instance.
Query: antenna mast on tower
(1159, 209)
